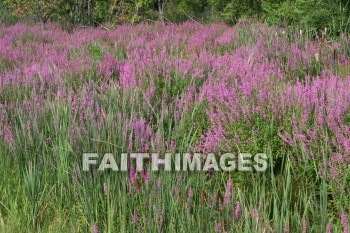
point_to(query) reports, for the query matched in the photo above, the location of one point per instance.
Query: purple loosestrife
(304, 226)
(228, 192)
(178, 186)
(233, 82)
(105, 188)
(218, 227)
(329, 228)
(190, 193)
(135, 218)
(189, 198)
(8, 136)
(95, 228)
(147, 177)
(132, 175)
(238, 211)
(159, 219)
(344, 222)
(255, 214)
(159, 187)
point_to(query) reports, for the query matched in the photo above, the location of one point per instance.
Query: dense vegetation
(112, 76)
(146, 88)
(311, 14)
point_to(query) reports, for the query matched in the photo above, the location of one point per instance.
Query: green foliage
(43, 10)
(316, 15)
(182, 10)
(95, 51)
(6, 15)
(238, 9)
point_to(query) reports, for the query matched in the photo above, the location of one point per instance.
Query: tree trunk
(161, 11)
(89, 13)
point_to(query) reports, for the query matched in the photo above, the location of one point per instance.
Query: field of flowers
(175, 88)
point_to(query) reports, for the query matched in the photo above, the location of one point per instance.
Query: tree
(315, 15)
(162, 4)
(42, 9)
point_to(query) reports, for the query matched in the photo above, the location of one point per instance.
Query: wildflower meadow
(175, 88)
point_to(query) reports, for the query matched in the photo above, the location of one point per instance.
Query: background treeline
(314, 14)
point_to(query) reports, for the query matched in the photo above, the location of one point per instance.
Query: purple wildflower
(190, 193)
(255, 213)
(329, 228)
(218, 226)
(96, 230)
(344, 221)
(304, 226)
(105, 188)
(238, 211)
(228, 192)
(135, 218)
